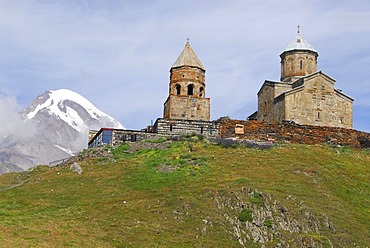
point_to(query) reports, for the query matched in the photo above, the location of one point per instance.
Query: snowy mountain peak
(56, 125)
(70, 107)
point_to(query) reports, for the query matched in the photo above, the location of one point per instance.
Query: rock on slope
(61, 121)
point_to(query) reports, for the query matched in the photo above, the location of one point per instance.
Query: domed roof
(189, 58)
(299, 43)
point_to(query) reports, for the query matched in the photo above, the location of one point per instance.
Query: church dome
(299, 43)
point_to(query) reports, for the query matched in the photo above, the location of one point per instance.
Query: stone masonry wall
(317, 103)
(178, 127)
(187, 107)
(296, 64)
(120, 136)
(294, 133)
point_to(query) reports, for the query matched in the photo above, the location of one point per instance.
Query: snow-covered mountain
(61, 120)
(70, 107)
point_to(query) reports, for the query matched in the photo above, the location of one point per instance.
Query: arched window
(201, 92)
(300, 64)
(190, 90)
(178, 89)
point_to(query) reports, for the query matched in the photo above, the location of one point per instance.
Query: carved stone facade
(304, 95)
(187, 90)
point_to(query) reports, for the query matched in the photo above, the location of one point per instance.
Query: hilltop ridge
(192, 193)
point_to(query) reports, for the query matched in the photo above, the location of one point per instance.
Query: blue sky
(118, 54)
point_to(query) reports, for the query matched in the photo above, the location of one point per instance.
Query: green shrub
(245, 215)
(191, 147)
(268, 223)
(107, 147)
(186, 156)
(102, 159)
(159, 140)
(257, 198)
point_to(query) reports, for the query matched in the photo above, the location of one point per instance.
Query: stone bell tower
(298, 59)
(187, 90)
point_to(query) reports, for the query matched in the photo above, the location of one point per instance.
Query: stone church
(187, 90)
(303, 94)
(187, 109)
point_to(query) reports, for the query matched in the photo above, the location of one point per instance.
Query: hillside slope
(192, 194)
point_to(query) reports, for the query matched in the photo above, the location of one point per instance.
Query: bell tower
(187, 89)
(298, 59)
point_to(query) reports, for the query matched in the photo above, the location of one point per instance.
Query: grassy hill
(192, 194)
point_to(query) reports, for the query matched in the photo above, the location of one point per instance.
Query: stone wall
(187, 95)
(266, 102)
(311, 100)
(295, 64)
(178, 127)
(318, 103)
(294, 133)
(120, 136)
(187, 107)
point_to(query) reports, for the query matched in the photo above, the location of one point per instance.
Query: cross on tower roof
(188, 40)
(298, 28)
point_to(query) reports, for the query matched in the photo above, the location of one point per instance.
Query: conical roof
(188, 58)
(299, 43)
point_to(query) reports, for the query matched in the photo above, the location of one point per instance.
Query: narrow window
(318, 115)
(201, 92)
(265, 109)
(201, 130)
(171, 128)
(190, 90)
(178, 89)
(300, 64)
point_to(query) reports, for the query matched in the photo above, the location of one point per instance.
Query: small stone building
(187, 91)
(187, 109)
(303, 94)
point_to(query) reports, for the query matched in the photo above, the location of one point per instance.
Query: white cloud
(11, 122)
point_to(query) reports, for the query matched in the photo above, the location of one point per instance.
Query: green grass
(166, 198)
(158, 141)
